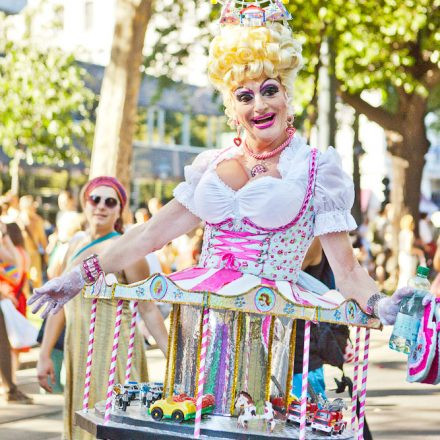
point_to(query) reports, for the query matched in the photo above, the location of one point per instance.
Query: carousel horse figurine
(246, 407)
(269, 416)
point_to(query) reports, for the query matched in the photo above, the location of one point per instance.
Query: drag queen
(262, 199)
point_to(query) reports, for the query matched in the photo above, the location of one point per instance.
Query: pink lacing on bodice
(230, 250)
(274, 253)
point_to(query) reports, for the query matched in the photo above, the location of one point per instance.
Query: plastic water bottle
(410, 314)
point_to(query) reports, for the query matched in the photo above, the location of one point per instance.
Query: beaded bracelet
(90, 268)
(372, 304)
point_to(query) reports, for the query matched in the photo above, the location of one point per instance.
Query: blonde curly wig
(241, 53)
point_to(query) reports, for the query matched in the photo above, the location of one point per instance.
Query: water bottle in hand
(410, 314)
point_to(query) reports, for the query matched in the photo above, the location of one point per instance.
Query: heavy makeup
(260, 107)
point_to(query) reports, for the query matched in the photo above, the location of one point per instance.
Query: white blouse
(268, 201)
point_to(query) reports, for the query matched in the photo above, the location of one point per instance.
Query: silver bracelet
(372, 304)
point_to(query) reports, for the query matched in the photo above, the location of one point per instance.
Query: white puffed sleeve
(184, 192)
(334, 196)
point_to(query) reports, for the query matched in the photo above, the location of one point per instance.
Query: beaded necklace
(261, 167)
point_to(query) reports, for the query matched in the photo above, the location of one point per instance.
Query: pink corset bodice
(274, 254)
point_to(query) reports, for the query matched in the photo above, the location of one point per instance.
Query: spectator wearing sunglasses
(103, 200)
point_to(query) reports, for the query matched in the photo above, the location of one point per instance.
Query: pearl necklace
(261, 167)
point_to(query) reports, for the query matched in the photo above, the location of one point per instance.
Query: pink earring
(237, 140)
(290, 129)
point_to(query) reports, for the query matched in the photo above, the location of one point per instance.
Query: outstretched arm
(351, 279)
(354, 282)
(170, 222)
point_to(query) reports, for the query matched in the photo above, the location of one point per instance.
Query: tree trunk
(116, 114)
(412, 147)
(357, 152)
(407, 140)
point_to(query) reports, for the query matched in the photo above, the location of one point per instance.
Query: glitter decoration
(236, 361)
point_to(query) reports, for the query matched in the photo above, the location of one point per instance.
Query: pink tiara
(252, 13)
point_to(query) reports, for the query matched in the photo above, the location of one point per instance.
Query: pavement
(396, 409)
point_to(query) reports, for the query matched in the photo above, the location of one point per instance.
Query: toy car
(179, 408)
(294, 411)
(329, 421)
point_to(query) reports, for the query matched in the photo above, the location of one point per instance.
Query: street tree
(117, 109)
(45, 106)
(390, 48)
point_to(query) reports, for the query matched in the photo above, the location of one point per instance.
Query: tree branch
(384, 118)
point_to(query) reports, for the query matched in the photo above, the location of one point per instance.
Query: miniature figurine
(329, 419)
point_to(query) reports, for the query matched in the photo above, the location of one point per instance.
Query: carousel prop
(228, 356)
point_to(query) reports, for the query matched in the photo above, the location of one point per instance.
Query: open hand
(388, 307)
(56, 292)
(45, 370)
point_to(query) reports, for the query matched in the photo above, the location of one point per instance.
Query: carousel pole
(201, 378)
(363, 394)
(89, 355)
(247, 353)
(131, 341)
(355, 379)
(304, 383)
(112, 370)
(169, 351)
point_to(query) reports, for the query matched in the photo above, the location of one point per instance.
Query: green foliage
(381, 45)
(44, 104)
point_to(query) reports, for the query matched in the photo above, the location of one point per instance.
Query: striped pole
(112, 370)
(355, 378)
(247, 353)
(304, 382)
(131, 342)
(363, 394)
(203, 350)
(89, 355)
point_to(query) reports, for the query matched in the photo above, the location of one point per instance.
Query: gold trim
(236, 362)
(269, 358)
(173, 364)
(292, 344)
(170, 341)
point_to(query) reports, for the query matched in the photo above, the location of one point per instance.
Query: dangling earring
(237, 140)
(290, 129)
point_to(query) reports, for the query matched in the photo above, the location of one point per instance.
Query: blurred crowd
(373, 242)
